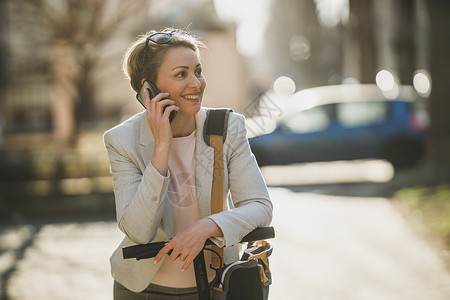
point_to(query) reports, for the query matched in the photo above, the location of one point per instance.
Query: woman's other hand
(188, 243)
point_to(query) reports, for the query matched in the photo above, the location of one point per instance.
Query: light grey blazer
(144, 206)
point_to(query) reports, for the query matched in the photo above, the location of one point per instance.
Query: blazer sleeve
(251, 200)
(139, 194)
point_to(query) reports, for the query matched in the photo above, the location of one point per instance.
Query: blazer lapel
(147, 146)
(204, 156)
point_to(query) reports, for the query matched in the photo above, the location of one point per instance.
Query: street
(336, 247)
(329, 245)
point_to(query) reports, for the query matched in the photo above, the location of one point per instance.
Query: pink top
(186, 210)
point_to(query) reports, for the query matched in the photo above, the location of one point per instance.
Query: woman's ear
(142, 80)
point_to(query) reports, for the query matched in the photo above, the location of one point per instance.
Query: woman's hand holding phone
(158, 119)
(186, 244)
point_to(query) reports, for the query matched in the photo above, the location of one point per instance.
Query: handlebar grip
(262, 233)
(150, 250)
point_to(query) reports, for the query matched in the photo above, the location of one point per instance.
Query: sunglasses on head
(157, 38)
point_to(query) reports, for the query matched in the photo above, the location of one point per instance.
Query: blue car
(346, 122)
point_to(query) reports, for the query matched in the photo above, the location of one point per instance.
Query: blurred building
(62, 86)
(30, 85)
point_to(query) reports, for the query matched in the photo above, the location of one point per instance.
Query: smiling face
(180, 75)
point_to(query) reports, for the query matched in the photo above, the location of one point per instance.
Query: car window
(311, 120)
(354, 114)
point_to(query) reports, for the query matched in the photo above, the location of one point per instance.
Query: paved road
(337, 247)
(327, 247)
(61, 261)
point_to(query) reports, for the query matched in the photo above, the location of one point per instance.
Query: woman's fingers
(187, 244)
(159, 106)
(183, 256)
(161, 253)
(152, 103)
(187, 263)
(185, 253)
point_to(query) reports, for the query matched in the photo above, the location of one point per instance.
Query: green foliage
(433, 204)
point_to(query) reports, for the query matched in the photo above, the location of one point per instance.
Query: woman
(162, 174)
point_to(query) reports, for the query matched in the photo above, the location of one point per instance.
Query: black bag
(246, 279)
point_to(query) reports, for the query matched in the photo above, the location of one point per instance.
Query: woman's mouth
(192, 97)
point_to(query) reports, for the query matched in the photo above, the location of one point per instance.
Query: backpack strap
(216, 123)
(214, 134)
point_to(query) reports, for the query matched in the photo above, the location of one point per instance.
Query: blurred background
(62, 86)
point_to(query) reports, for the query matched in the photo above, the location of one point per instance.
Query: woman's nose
(195, 82)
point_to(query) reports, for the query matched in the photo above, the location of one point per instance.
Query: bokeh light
(422, 82)
(385, 80)
(284, 86)
(299, 48)
(332, 12)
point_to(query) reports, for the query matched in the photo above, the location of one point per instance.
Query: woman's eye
(198, 72)
(181, 74)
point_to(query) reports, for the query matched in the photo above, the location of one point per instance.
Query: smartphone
(153, 91)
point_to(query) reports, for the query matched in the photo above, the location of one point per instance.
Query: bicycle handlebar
(151, 250)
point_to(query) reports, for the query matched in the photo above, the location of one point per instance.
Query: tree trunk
(438, 157)
(363, 26)
(64, 94)
(404, 42)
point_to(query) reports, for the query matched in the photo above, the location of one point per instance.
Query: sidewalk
(331, 247)
(57, 260)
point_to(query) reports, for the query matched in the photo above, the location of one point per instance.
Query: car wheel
(403, 154)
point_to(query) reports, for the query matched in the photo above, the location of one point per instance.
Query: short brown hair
(137, 65)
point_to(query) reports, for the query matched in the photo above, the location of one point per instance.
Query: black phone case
(153, 91)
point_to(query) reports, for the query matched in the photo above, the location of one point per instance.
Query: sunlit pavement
(327, 247)
(336, 247)
(62, 261)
